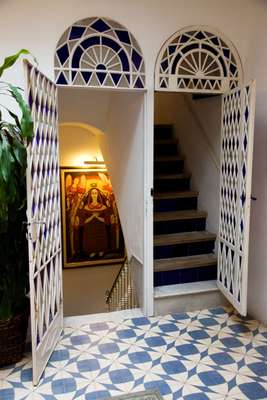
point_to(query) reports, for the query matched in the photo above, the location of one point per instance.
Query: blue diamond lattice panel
(99, 52)
(197, 59)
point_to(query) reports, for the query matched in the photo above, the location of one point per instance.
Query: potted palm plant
(16, 131)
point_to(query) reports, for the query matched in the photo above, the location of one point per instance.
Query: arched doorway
(103, 58)
(196, 63)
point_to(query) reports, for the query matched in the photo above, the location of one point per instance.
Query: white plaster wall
(197, 127)
(123, 150)
(76, 145)
(38, 25)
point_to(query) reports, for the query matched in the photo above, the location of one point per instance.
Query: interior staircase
(185, 266)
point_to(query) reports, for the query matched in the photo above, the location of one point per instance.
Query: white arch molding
(99, 52)
(198, 59)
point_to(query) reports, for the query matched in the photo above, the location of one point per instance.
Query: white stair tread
(185, 289)
(178, 215)
(186, 262)
(183, 237)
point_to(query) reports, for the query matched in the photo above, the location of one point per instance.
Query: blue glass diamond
(100, 25)
(123, 36)
(61, 80)
(76, 32)
(136, 59)
(63, 53)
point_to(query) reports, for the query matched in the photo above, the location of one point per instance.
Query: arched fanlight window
(198, 59)
(99, 52)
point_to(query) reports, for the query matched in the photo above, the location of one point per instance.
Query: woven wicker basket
(13, 337)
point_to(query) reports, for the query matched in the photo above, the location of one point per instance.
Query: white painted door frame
(148, 285)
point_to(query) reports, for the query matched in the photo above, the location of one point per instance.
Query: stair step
(178, 215)
(185, 289)
(176, 195)
(184, 237)
(175, 263)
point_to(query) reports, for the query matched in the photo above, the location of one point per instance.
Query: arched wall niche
(99, 52)
(198, 59)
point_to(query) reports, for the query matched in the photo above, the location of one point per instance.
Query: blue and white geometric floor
(211, 354)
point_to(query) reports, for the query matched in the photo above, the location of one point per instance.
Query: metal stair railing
(122, 296)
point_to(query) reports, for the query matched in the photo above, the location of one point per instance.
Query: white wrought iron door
(238, 109)
(44, 228)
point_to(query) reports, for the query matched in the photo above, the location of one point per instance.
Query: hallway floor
(211, 354)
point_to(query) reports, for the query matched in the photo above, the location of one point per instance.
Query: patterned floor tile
(211, 354)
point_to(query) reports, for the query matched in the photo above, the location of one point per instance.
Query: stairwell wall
(197, 129)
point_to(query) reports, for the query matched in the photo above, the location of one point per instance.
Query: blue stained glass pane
(115, 77)
(124, 60)
(127, 77)
(165, 64)
(76, 32)
(61, 80)
(63, 53)
(75, 63)
(123, 36)
(184, 39)
(215, 41)
(101, 76)
(200, 35)
(136, 59)
(111, 43)
(92, 41)
(172, 49)
(86, 75)
(226, 52)
(73, 74)
(163, 84)
(101, 67)
(138, 84)
(100, 25)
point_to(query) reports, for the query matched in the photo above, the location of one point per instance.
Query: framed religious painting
(91, 227)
